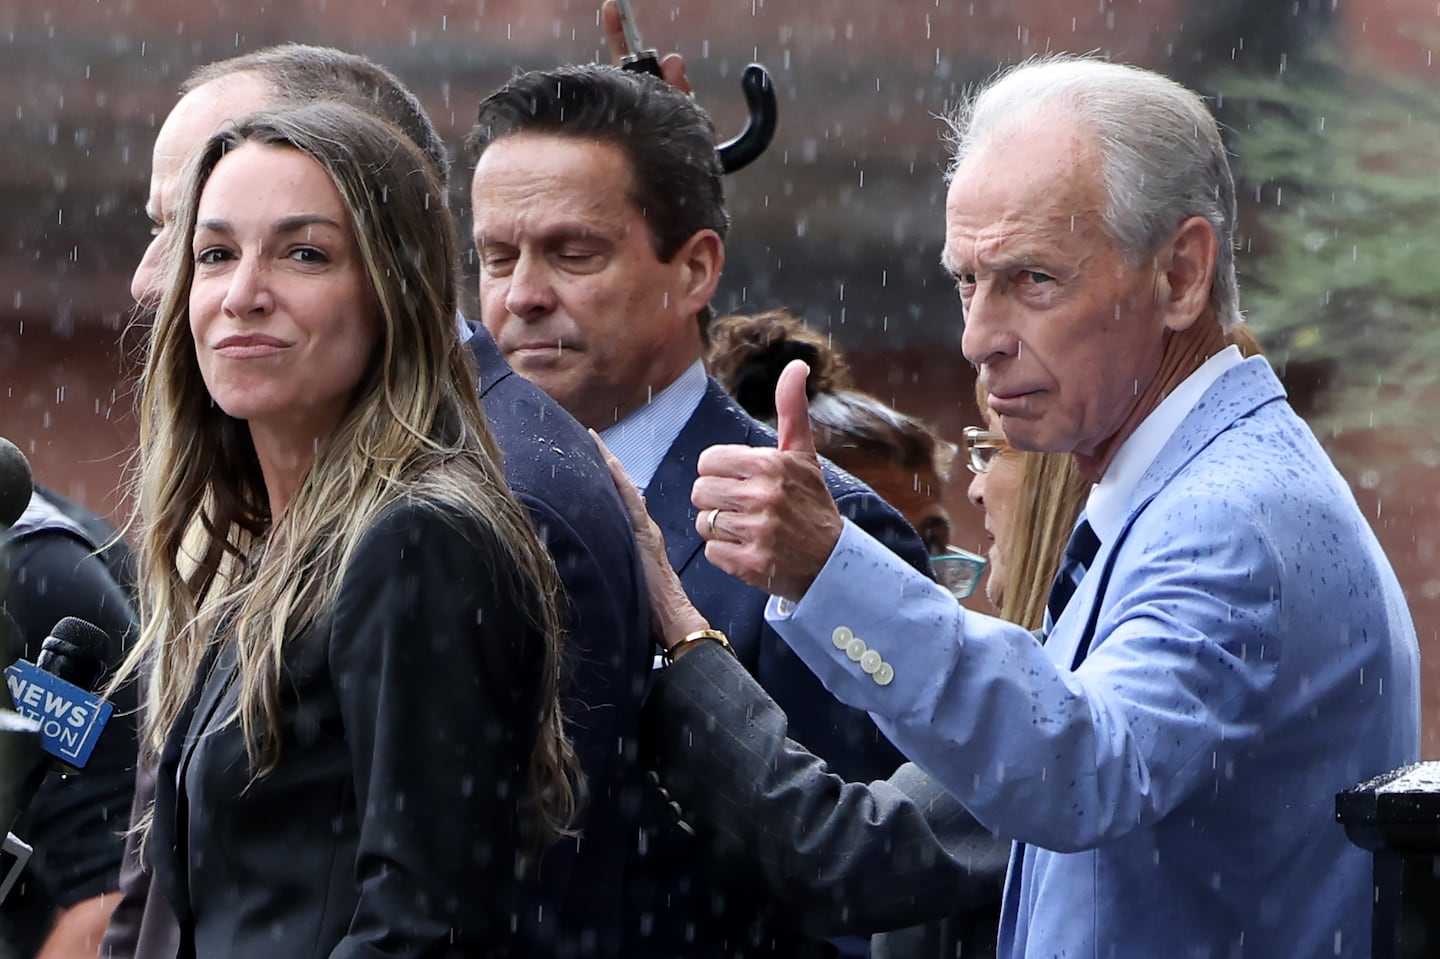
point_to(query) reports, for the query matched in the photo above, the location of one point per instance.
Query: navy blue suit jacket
(679, 901)
(555, 470)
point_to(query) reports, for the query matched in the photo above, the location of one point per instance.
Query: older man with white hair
(1229, 645)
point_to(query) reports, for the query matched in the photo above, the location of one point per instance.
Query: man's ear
(1185, 271)
(700, 260)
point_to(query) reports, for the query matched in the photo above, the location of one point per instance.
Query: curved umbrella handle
(759, 128)
(759, 91)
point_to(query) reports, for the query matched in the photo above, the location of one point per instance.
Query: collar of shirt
(641, 440)
(1110, 497)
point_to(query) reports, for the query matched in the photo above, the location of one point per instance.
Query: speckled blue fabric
(1174, 795)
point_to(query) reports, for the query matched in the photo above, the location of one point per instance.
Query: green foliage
(1340, 192)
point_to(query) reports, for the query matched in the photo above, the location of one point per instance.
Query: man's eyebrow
(556, 233)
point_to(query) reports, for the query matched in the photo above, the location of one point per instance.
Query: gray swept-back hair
(1161, 156)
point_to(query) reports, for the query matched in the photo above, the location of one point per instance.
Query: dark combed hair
(667, 140)
(299, 74)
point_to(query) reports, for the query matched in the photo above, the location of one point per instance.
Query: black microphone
(55, 693)
(16, 483)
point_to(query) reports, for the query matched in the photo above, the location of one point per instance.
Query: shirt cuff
(778, 608)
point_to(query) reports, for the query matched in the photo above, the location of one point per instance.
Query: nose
(976, 491)
(249, 291)
(531, 294)
(145, 282)
(988, 333)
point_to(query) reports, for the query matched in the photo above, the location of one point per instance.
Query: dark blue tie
(1079, 554)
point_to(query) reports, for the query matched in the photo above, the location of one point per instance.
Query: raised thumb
(792, 409)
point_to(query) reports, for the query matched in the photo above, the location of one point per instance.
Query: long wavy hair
(1052, 492)
(1048, 501)
(216, 567)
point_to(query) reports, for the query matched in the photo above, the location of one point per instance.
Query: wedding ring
(714, 515)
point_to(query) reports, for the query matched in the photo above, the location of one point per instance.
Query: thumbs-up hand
(792, 410)
(766, 514)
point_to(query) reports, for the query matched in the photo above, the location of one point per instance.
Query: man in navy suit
(600, 225)
(554, 470)
(1228, 646)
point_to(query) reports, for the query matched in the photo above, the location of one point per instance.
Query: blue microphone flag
(70, 718)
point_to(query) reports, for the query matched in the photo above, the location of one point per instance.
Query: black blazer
(552, 466)
(389, 826)
(679, 901)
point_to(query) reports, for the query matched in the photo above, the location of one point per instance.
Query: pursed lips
(242, 346)
(1003, 402)
(539, 349)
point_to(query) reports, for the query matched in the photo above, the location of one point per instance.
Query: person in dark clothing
(64, 560)
(549, 463)
(350, 629)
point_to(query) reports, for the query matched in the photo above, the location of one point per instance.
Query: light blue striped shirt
(641, 440)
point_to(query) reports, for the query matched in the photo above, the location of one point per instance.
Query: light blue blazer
(1174, 794)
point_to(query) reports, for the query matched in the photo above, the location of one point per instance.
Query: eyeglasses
(958, 570)
(981, 448)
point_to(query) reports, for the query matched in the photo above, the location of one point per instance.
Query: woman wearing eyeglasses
(1030, 502)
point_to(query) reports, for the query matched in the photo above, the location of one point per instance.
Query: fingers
(722, 525)
(792, 410)
(672, 615)
(629, 495)
(737, 560)
(614, 32)
(672, 65)
(672, 71)
(733, 462)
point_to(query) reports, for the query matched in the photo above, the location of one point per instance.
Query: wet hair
(1161, 156)
(667, 140)
(413, 430)
(854, 430)
(747, 354)
(299, 74)
(850, 425)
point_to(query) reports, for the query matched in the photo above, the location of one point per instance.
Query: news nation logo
(70, 719)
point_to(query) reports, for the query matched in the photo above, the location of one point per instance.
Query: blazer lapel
(226, 666)
(716, 420)
(492, 365)
(1240, 391)
(170, 825)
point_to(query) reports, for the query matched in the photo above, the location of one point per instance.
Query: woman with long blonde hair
(1031, 502)
(349, 637)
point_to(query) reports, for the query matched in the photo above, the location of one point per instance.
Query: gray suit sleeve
(838, 858)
